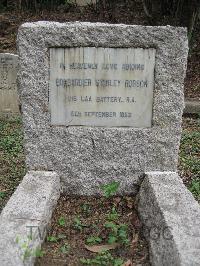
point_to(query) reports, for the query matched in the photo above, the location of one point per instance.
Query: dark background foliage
(181, 12)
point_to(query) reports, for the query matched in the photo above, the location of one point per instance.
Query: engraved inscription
(111, 87)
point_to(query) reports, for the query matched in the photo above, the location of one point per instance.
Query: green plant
(65, 248)
(195, 188)
(113, 215)
(123, 234)
(2, 194)
(61, 221)
(103, 259)
(56, 238)
(92, 240)
(110, 189)
(52, 239)
(86, 208)
(118, 233)
(112, 237)
(38, 253)
(78, 224)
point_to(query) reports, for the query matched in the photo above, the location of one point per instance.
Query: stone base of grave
(171, 217)
(91, 186)
(168, 211)
(26, 216)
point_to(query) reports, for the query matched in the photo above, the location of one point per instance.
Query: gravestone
(8, 87)
(85, 2)
(101, 102)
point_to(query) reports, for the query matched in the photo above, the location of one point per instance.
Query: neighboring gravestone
(101, 102)
(84, 2)
(8, 88)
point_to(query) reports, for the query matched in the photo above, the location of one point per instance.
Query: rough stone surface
(171, 217)
(84, 2)
(31, 205)
(85, 157)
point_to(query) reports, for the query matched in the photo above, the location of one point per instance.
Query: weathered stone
(111, 87)
(26, 214)
(84, 2)
(8, 88)
(171, 218)
(86, 157)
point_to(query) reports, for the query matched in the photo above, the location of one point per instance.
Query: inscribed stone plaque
(101, 86)
(8, 86)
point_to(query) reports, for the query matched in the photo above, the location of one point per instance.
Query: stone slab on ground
(192, 107)
(171, 217)
(86, 157)
(26, 214)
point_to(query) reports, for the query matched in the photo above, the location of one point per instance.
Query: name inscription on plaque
(111, 87)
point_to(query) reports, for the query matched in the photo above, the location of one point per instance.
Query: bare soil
(93, 213)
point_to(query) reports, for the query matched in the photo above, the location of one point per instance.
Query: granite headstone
(101, 102)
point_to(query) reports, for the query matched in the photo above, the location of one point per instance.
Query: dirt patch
(119, 13)
(82, 223)
(192, 80)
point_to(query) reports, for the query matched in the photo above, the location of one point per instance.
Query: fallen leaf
(117, 199)
(134, 241)
(100, 248)
(136, 222)
(143, 258)
(130, 202)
